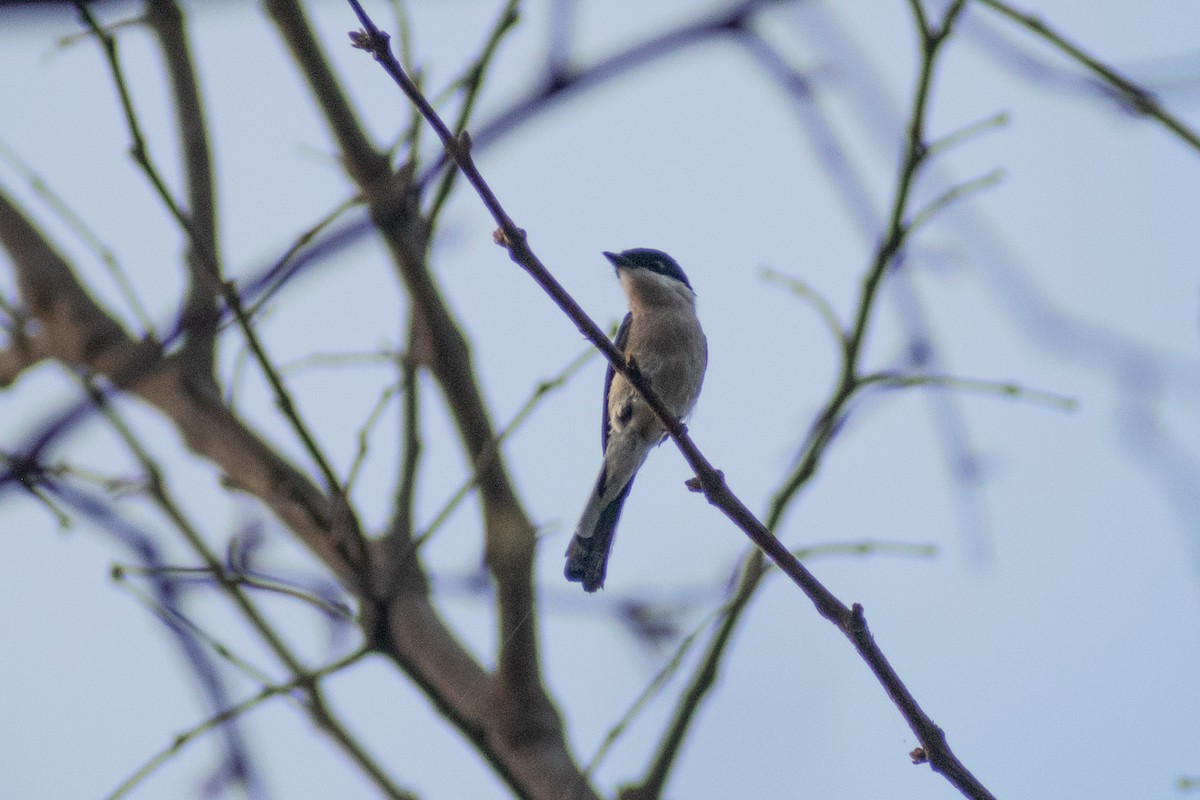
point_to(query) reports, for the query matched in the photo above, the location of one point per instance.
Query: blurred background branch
(122, 383)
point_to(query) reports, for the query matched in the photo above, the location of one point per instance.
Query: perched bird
(662, 337)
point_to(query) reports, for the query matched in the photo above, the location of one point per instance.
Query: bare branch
(401, 528)
(754, 568)
(89, 237)
(206, 258)
(562, 84)
(539, 393)
(512, 722)
(23, 350)
(77, 331)
(200, 312)
(1137, 98)
(1002, 388)
(184, 738)
(953, 195)
(804, 291)
(73, 327)
(472, 82)
(850, 621)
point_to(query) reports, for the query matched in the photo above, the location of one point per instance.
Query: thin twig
(539, 393)
(328, 360)
(402, 516)
(818, 301)
(472, 82)
(250, 581)
(966, 133)
(280, 273)
(364, 436)
(1138, 98)
(891, 244)
(952, 196)
(159, 493)
(172, 617)
(1004, 388)
(184, 738)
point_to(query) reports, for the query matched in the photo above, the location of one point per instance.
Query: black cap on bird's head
(654, 260)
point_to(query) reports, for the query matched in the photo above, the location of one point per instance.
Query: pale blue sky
(1064, 664)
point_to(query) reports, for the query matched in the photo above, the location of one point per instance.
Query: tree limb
(512, 720)
(850, 621)
(200, 312)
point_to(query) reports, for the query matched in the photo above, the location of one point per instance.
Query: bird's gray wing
(620, 342)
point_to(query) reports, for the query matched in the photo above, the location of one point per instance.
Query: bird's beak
(616, 259)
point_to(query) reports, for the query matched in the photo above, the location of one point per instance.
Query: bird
(662, 337)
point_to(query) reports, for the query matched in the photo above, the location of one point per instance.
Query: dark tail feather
(587, 557)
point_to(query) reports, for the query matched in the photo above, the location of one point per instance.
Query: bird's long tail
(587, 555)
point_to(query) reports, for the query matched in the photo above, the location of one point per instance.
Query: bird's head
(642, 263)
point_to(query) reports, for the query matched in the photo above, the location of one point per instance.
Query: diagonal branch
(508, 715)
(1138, 98)
(851, 621)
